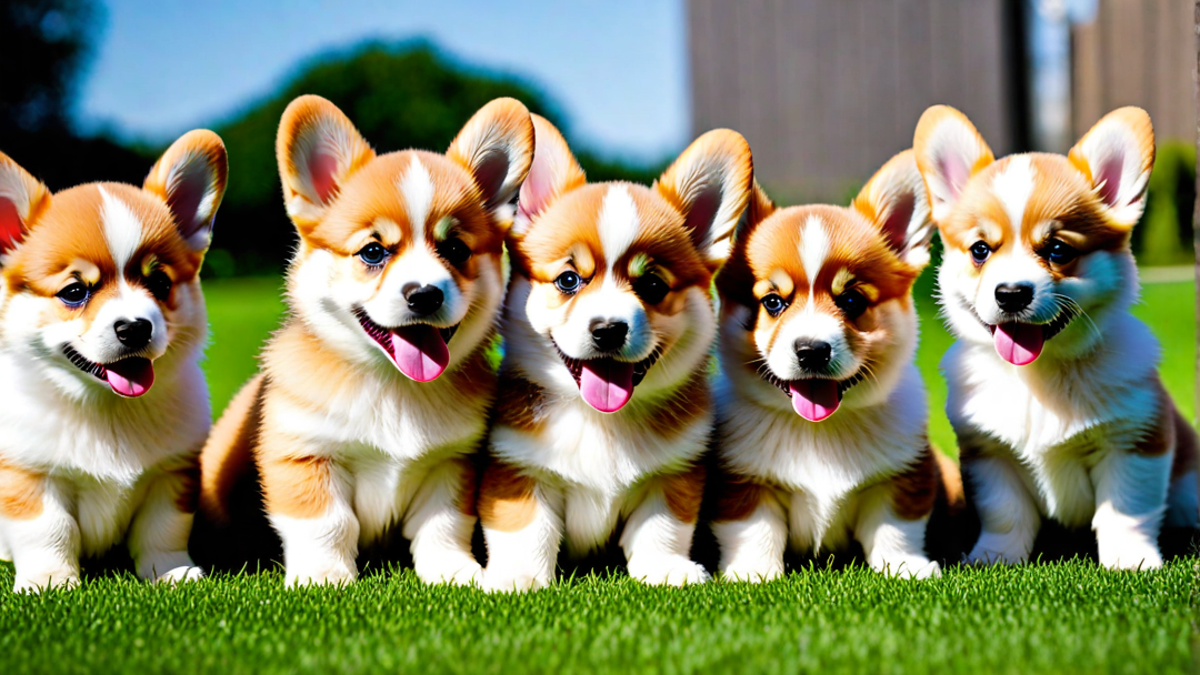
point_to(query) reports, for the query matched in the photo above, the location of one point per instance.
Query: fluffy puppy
(1053, 387)
(102, 325)
(374, 394)
(822, 413)
(604, 405)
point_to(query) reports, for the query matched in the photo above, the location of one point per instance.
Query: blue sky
(618, 68)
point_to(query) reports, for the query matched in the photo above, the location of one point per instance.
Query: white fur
(752, 549)
(417, 188)
(618, 223)
(814, 249)
(1013, 184)
(811, 325)
(122, 229)
(525, 559)
(659, 545)
(609, 303)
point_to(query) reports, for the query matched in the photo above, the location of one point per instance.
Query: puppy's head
(817, 298)
(101, 280)
(611, 280)
(400, 252)
(1037, 245)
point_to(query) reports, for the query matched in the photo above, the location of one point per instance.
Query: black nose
(134, 334)
(812, 355)
(424, 300)
(608, 336)
(1014, 297)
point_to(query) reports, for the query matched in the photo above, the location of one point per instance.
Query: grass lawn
(1061, 617)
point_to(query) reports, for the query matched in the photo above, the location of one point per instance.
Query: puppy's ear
(758, 207)
(496, 146)
(554, 172)
(318, 149)
(949, 151)
(191, 177)
(894, 199)
(710, 184)
(1116, 156)
(23, 198)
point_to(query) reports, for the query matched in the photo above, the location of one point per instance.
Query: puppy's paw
(1134, 557)
(497, 580)
(752, 574)
(37, 583)
(667, 571)
(180, 574)
(910, 567)
(458, 570)
(336, 574)
(996, 550)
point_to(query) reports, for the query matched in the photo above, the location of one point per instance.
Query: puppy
(822, 413)
(102, 326)
(604, 404)
(1053, 387)
(374, 394)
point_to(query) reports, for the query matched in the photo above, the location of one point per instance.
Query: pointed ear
(554, 172)
(318, 149)
(1116, 156)
(758, 207)
(191, 177)
(23, 198)
(710, 184)
(496, 146)
(949, 151)
(894, 199)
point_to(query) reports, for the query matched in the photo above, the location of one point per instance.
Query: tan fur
(20, 491)
(684, 491)
(506, 498)
(229, 451)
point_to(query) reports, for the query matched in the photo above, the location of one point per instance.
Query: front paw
(755, 574)
(1132, 556)
(910, 567)
(458, 570)
(335, 574)
(180, 574)
(994, 550)
(37, 583)
(667, 571)
(497, 580)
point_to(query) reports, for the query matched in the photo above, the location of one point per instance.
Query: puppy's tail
(951, 525)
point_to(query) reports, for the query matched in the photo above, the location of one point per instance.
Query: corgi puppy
(102, 326)
(604, 406)
(1053, 386)
(822, 414)
(374, 395)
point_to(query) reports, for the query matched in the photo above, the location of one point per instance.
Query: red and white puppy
(1053, 388)
(374, 395)
(102, 326)
(822, 412)
(604, 405)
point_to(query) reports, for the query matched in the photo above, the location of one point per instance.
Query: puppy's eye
(454, 251)
(159, 285)
(74, 295)
(773, 304)
(1060, 253)
(373, 254)
(651, 288)
(852, 303)
(980, 252)
(568, 282)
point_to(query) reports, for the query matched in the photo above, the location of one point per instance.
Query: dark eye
(773, 304)
(980, 252)
(651, 288)
(454, 251)
(159, 285)
(1060, 253)
(373, 254)
(568, 282)
(852, 303)
(74, 295)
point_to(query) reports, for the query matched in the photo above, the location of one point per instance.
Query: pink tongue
(130, 377)
(1019, 343)
(420, 352)
(606, 384)
(814, 400)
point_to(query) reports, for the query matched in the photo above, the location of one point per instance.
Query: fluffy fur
(374, 394)
(822, 415)
(1038, 272)
(604, 406)
(102, 325)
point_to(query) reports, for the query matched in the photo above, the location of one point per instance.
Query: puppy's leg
(1008, 516)
(892, 534)
(440, 521)
(1131, 492)
(158, 535)
(658, 536)
(522, 526)
(751, 531)
(308, 504)
(39, 530)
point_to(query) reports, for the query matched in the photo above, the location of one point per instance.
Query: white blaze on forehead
(417, 188)
(122, 229)
(1013, 185)
(814, 248)
(618, 222)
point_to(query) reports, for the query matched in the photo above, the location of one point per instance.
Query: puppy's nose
(134, 334)
(608, 336)
(1014, 297)
(423, 300)
(812, 355)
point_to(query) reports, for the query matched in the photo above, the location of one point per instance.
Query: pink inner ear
(895, 228)
(490, 174)
(704, 209)
(322, 166)
(537, 189)
(11, 231)
(1108, 178)
(954, 169)
(184, 199)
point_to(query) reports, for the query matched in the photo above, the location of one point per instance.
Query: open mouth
(606, 383)
(418, 350)
(816, 398)
(1021, 343)
(130, 377)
